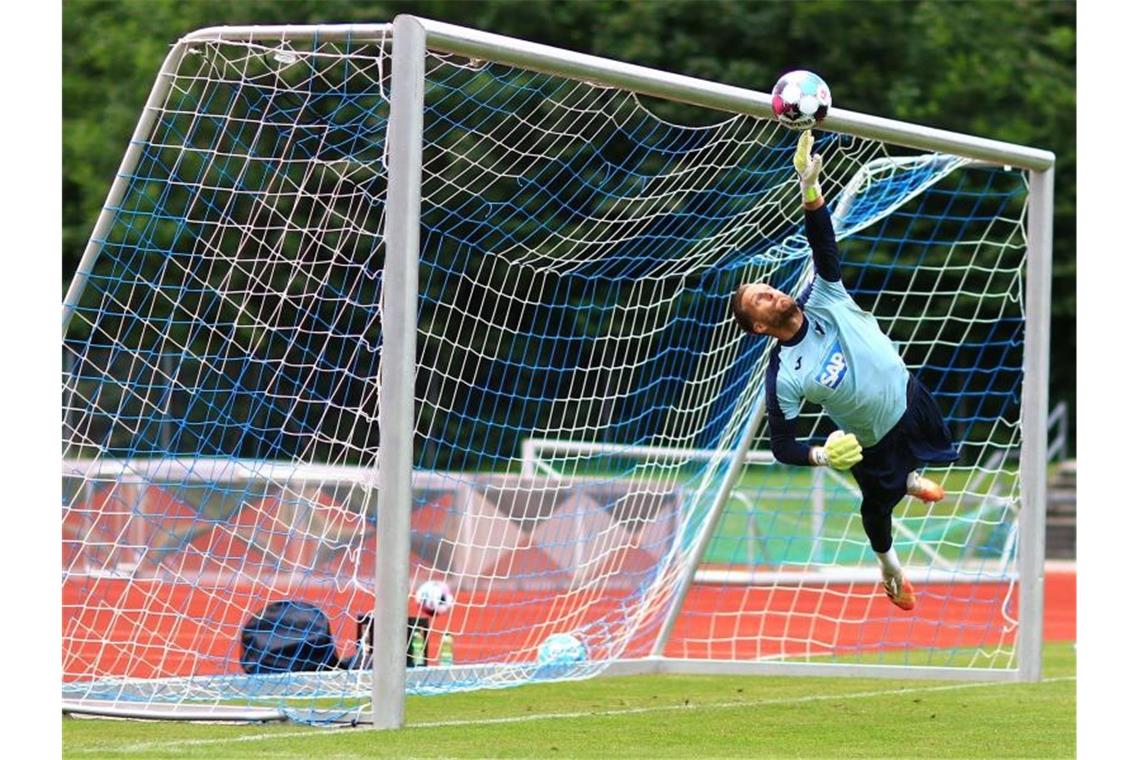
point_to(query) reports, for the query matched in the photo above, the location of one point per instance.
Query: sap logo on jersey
(834, 368)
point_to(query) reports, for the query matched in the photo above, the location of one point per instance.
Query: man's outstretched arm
(817, 219)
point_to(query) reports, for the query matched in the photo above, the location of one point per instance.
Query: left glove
(842, 451)
(808, 167)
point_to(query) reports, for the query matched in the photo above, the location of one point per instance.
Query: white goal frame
(411, 38)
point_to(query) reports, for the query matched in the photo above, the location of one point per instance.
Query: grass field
(661, 716)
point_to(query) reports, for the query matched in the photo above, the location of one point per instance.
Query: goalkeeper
(832, 353)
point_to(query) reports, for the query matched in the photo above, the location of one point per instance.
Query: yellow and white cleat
(899, 591)
(924, 488)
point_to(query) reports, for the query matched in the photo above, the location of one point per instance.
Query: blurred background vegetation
(1002, 70)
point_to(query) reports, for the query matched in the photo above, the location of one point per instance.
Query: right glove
(842, 451)
(808, 167)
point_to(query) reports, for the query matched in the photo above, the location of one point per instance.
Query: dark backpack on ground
(287, 637)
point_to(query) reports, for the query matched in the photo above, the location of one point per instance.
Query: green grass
(661, 716)
(769, 520)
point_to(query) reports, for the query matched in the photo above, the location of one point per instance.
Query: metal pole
(1064, 431)
(753, 534)
(122, 180)
(70, 386)
(397, 398)
(818, 512)
(1035, 405)
(303, 32)
(698, 551)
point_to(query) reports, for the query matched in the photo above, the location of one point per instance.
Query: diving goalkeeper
(832, 353)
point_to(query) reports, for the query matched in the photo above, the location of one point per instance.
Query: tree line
(999, 70)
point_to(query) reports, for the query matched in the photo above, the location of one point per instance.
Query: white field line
(187, 743)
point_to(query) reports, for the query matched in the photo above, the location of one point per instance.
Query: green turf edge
(661, 716)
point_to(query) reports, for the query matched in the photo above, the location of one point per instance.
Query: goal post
(348, 276)
(401, 296)
(1031, 564)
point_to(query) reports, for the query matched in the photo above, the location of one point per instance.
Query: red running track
(114, 627)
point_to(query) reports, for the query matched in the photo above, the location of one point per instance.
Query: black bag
(287, 637)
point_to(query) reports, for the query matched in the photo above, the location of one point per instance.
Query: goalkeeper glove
(808, 167)
(841, 452)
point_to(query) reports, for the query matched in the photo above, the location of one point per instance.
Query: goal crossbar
(450, 38)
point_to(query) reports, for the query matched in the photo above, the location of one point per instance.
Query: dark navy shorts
(920, 437)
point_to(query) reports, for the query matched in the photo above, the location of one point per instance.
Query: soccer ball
(800, 100)
(434, 597)
(561, 649)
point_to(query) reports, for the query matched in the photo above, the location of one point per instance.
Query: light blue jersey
(844, 363)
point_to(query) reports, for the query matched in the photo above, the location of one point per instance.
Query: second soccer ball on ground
(562, 649)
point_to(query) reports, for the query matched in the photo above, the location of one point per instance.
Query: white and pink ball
(434, 597)
(800, 100)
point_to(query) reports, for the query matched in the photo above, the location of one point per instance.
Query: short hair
(737, 304)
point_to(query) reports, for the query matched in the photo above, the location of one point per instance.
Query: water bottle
(446, 650)
(417, 648)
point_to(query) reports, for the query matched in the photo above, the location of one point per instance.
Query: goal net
(589, 440)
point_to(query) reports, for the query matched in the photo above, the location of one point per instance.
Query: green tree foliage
(1003, 70)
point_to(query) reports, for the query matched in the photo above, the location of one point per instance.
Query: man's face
(766, 307)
